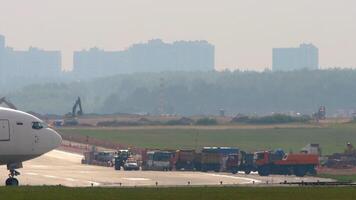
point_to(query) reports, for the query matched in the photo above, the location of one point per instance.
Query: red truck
(299, 164)
(242, 161)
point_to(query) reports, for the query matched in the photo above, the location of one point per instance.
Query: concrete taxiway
(58, 167)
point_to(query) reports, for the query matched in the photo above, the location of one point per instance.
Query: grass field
(331, 137)
(227, 193)
(342, 178)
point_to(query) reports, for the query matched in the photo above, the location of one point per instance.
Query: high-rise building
(97, 62)
(31, 64)
(2, 42)
(153, 56)
(306, 56)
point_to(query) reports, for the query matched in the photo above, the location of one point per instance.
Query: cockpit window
(37, 125)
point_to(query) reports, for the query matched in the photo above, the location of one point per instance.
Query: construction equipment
(350, 150)
(217, 158)
(321, 114)
(241, 162)
(8, 103)
(344, 160)
(70, 119)
(232, 163)
(121, 157)
(100, 158)
(185, 160)
(210, 159)
(157, 160)
(225, 153)
(299, 164)
(312, 149)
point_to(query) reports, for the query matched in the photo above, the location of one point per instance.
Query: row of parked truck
(232, 160)
(218, 159)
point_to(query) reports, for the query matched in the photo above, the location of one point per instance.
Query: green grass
(343, 178)
(194, 193)
(332, 138)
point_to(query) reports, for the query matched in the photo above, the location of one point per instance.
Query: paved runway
(58, 167)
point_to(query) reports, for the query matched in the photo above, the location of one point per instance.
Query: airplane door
(4, 130)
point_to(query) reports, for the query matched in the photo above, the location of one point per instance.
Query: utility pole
(161, 97)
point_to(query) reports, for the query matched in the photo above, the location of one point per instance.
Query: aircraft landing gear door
(4, 130)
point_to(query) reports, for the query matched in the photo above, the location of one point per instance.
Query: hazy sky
(243, 31)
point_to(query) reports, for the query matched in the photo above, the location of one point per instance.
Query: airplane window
(37, 125)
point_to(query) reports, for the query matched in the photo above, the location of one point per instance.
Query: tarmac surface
(63, 168)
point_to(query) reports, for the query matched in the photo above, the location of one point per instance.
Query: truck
(187, 160)
(216, 158)
(157, 160)
(100, 158)
(225, 153)
(120, 158)
(210, 159)
(242, 161)
(299, 164)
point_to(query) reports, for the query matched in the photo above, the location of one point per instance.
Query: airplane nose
(56, 139)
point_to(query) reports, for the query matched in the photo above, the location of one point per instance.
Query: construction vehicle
(345, 160)
(350, 150)
(241, 162)
(8, 103)
(100, 158)
(299, 164)
(70, 119)
(312, 149)
(210, 159)
(120, 158)
(216, 158)
(57, 123)
(157, 160)
(185, 160)
(225, 152)
(321, 114)
(232, 163)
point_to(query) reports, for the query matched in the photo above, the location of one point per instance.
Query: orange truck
(299, 164)
(185, 160)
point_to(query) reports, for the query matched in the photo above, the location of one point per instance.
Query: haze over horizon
(243, 32)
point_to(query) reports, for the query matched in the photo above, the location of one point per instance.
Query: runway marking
(30, 173)
(250, 180)
(50, 176)
(137, 179)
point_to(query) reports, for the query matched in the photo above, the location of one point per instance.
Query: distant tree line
(271, 119)
(193, 93)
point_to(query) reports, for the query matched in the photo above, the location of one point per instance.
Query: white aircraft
(23, 137)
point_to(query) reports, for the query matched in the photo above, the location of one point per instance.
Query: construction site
(91, 161)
